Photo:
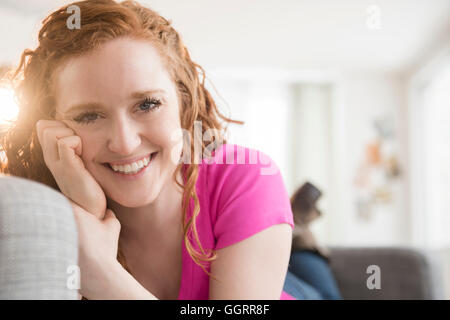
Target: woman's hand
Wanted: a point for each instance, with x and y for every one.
(62, 150)
(97, 258)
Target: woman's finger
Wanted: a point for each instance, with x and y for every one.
(49, 145)
(68, 147)
(43, 124)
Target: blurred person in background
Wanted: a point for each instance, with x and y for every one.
(309, 272)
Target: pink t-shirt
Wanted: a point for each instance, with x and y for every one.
(237, 200)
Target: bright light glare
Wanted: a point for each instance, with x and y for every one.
(8, 107)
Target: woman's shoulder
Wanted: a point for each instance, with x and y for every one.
(246, 194)
(235, 157)
(235, 168)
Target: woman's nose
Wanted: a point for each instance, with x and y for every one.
(123, 137)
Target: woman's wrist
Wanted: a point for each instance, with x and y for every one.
(125, 287)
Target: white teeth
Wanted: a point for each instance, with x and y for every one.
(133, 167)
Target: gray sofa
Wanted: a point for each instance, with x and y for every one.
(38, 246)
(38, 241)
(405, 273)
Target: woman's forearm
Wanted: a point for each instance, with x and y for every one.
(125, 287)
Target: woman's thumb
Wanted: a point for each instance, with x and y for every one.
(109, 214)
(110, 217)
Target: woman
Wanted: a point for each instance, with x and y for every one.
(114, 116)
(309, 274)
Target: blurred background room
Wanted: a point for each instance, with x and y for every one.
(350, 95)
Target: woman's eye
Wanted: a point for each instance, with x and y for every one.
(86, 117)
(150, 104)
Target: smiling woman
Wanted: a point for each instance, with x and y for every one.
(101, 111)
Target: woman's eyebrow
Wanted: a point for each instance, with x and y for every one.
(97, 105)
(144, 93)
(84, 106)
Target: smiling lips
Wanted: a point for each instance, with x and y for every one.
(133, 167)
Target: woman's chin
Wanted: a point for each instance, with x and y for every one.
(130, 201)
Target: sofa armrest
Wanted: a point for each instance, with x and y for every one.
(38, 241)
(406, 273)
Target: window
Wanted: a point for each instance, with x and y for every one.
(436, 158)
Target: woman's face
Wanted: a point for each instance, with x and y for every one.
(122, 103)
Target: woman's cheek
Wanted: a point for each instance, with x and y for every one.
(163, 137)
(88, 151)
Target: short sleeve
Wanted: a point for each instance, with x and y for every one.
(252, 197)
